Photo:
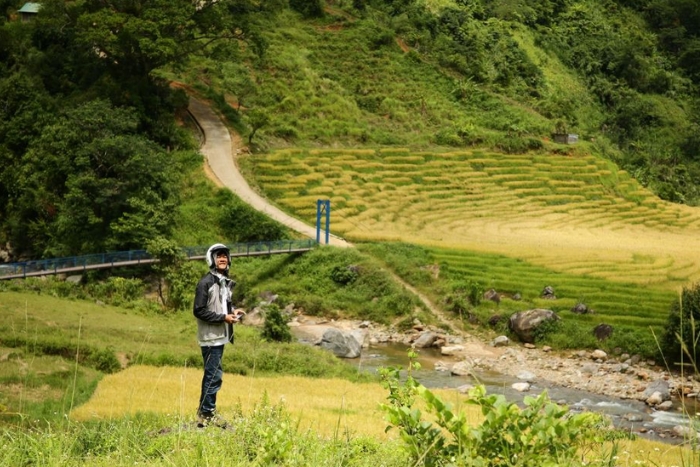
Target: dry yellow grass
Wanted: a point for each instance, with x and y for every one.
(323, 405)
(326, 406)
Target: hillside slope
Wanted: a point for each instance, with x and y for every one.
(573, 214)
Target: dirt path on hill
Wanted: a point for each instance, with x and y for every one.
(221, 148)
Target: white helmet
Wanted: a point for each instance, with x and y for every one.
(211, 255)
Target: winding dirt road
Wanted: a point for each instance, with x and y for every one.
(221, 148)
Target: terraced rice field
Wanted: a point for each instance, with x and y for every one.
(579, 215)
(614, 302)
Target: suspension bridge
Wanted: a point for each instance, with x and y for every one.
(76, 264)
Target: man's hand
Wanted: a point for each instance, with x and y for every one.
(240, 314)
(230, 319)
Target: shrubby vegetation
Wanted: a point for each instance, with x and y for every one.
(313, 283)
(542, 433)
(679, 344)
(275, 328)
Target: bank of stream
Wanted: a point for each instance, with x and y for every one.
(626, 414)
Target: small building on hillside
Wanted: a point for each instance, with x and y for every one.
(565, 138)
(29, 11)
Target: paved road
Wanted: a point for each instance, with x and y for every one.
(220, 151)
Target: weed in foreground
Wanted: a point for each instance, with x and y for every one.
(540, 434)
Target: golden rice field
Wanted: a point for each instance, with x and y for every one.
(325, 406)
(567, 213)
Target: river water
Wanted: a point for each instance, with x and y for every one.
(629, 415)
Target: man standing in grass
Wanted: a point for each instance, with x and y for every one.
(213, 310)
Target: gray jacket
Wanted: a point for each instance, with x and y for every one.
(211, 312)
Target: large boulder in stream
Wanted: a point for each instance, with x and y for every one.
(344, 344)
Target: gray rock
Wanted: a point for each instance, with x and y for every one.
(256, 317)
(602, 331)
(521, 387)
(463, 368)
(465, 388)
(441, 366)
(451, 349)
(666, 405)
(548, 293)
(500, 341)
(524, 323)
(342, 344)
(685, 432)
(492, 295)
(426, 339)
(268, 297)
(75, 279)
(654, 399)
(662, 387)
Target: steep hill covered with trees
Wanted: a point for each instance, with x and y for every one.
(91, 157)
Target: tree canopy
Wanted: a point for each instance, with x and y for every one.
(87, 128)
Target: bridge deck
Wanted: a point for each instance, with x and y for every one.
(141, 257)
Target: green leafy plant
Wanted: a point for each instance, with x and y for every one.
(540, 434)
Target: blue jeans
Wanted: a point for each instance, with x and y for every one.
(211, 381)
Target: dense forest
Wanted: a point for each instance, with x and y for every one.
(92, 152)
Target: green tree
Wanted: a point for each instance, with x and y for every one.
(90, 183)
(176, 275)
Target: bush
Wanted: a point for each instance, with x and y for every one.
(118, 291)
(546, 328)
(275, 328)
(308, 8)
(344, 275)
(241, 223)
(681, 334)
